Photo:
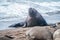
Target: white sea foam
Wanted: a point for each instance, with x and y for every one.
(21, 9)
(52, 6)
(14, 9)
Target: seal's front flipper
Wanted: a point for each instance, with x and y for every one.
(17, 25)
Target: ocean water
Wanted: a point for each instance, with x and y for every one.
(15, 11)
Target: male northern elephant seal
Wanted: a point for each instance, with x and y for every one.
(34, 19)
(39, 33)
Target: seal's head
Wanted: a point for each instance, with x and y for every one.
(32, 12)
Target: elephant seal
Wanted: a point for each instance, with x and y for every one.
(34, 19)
(38, 33)
(56, 34)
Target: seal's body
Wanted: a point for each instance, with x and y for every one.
(56, 34)
(38, 33)
(35, 18)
